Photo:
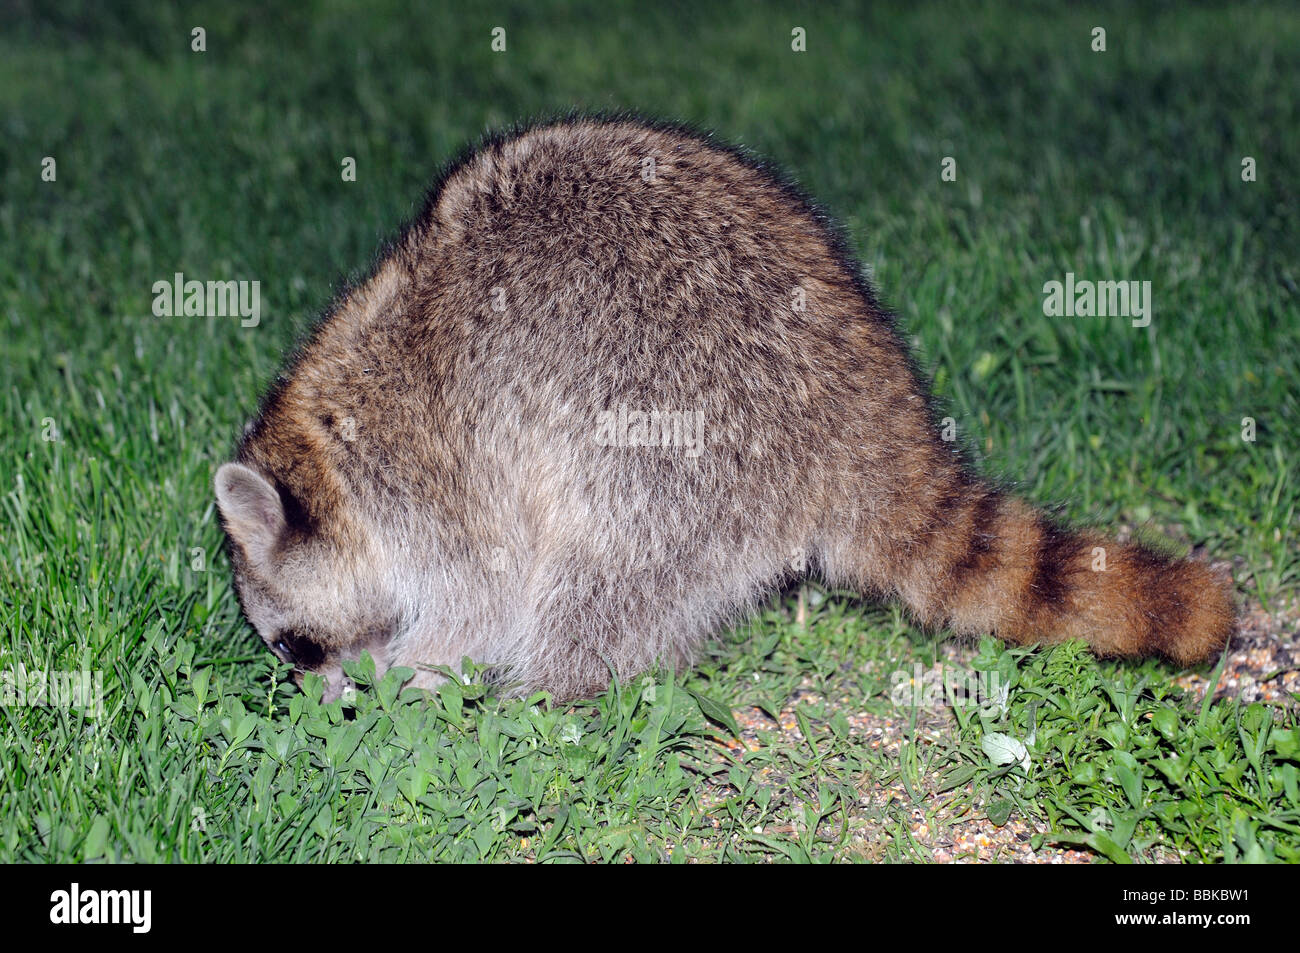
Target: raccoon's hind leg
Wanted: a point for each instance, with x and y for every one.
(962, 554)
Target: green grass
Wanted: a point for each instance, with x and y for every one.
(225, 165)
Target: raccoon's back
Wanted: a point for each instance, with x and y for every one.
(591, 268)
(590, 264)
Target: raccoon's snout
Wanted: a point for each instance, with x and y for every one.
(306, 654)
(337, 685)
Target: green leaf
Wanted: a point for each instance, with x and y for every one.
(1003, 749)
(1131, 782)
(984, 365)
(1085, 774)
(1107, 848)
(1286, 744)
(449, 694)
(97, 839)
(957, 777)
(999, 812)
(716, 712)
(1165, 721)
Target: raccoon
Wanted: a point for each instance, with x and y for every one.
(614, 384)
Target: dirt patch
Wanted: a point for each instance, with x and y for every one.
(1263, 664)
(1263, 660)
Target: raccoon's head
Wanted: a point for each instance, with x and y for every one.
(313, 594)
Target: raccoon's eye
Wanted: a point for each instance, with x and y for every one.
(300, 649)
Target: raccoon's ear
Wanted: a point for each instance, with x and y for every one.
(251, 510)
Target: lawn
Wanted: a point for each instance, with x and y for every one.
(796, 738)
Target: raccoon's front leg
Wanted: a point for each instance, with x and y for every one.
(436, 645)
(548, 656)
(586, 626)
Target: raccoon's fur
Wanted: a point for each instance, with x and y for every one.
(613, 385)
